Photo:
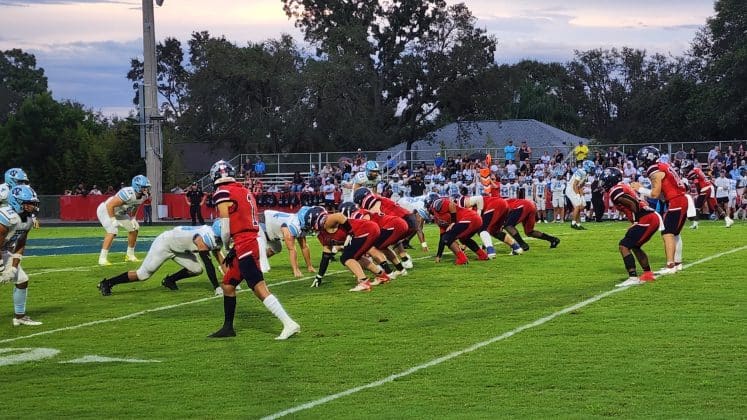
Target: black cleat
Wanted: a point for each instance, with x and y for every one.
(524, 246)
(105, 288)
(223, 333)
(554, 242)
(169, 284)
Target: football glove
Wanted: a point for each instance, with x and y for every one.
(228, 260)
(8, 275)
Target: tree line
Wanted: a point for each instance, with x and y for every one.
(376, 74)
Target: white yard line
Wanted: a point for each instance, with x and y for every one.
(437, 361)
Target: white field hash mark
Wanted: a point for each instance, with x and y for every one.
(471, 348)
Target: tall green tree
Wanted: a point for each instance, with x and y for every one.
(171, 76)
(19, 79)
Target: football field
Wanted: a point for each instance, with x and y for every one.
(544, 334)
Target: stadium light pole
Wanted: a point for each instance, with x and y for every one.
(150, 117)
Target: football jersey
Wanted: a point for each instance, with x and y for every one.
(539, 188)
(504, 190)
(276, 220)
(16, 227)
(633, 208)
(242, 213)
(671, 185)
(557, 186)
(387, 206)
(414, 205)
(579, 178)
(698, 178)
(181, 238)
(130, 200)
(360, 179)
(513, 190)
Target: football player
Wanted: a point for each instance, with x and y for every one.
(557, 188)
(455, 224)
(706, 192)
(524, 212)
(119, 210)
(239, 224)
(15, 223)
(575, 192)
(14, 177)
(179, 244)
(284, 228)
(666, 185)
(493, 211)
(645, 222)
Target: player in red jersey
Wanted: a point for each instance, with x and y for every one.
(493, 211)
(706, 192)
(455, 223)
(357, 236)
(666, 185)
(392, 230)
(239, 223)
(367, 200)
(525, 212)
(645, 222)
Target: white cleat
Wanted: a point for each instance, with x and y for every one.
(401, 273)
(363, 286)
(631, 281)
(679, 266)
(407, 264)
(131, 258)
(666, 270)
(218, 291)
(25, 320)
(694, 225)
(289, 330)
(104, 262)
(729, 221)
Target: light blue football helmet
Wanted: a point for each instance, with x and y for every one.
(372, 170)
(20, 195)
(139, 182)
(15, 176)
(589, 166)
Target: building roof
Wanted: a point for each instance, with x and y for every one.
(490, 135)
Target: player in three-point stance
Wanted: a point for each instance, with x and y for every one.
(239, 223)
(179, 244)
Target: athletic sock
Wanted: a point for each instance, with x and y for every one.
(387, 268)
(130, 252)
(104, 254)
(122, 278)
(629, 261)
(229, 310)
(399, 266)
(19, 300)
(274, 306)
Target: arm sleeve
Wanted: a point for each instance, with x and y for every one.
(225, 231)
(209, 268)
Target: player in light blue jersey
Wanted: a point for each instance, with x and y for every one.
(15, 222)
(557, 187)
(575, 192)
(285, 228)
(183, 244)
(119, 210)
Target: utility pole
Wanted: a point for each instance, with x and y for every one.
(149, 116)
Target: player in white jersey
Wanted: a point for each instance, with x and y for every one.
(513, 188)
(575, 192)
(15, 223)
(397, 187)
(369, 178)
(179, 244)
(284, 228)
(504, 188)
(119, 210)
(14, 177)
(538, 196)
(557, 187)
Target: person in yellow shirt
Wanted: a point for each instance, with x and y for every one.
(581, 151)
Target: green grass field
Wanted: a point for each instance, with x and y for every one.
(494, 339)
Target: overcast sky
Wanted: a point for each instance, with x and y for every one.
(85, 46)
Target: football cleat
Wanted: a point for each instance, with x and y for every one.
(461, 259)
(381, 279)
(402, 272)
(647, 276)
(104, 262)
(631, 281)
(218, 291)
(105, 288)
(482, 255)
(362, 286)
(131, 258)
(25, 320)
(223, 333)
(694, 225)
(517, 251)
(491, 252)
(667, 270)
(169, 284)
(317, 281)
(554, 242)
(408, 263)
(678, 266)
(289, 330)
(729, 221)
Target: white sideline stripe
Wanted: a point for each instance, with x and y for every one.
(471, 348)
(159, 309)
